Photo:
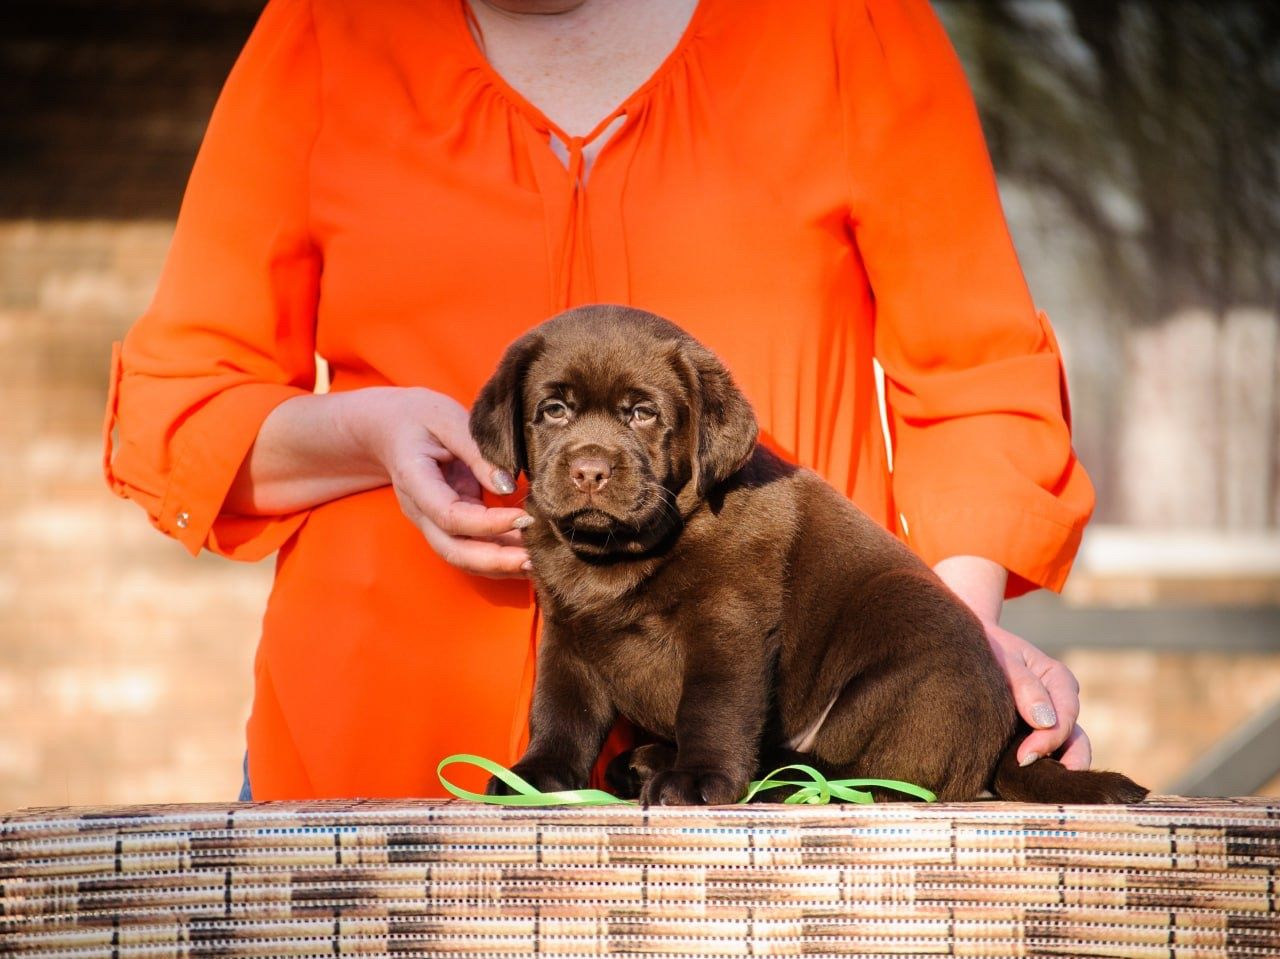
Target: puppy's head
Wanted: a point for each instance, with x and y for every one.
(612, 412)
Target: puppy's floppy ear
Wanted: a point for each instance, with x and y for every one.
(497, 418)
(722, 425)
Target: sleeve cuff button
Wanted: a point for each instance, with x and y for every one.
(182, 520)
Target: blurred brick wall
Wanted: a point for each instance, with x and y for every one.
(103, 102)
(126, 666)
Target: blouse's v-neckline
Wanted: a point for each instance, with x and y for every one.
(535, 114)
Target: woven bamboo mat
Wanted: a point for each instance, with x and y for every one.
(1167, 878)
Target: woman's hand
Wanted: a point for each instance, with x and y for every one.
(1048, 697)
(312, 449)
(1045, 691)
(423, 441)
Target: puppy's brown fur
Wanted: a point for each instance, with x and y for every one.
(723, 600)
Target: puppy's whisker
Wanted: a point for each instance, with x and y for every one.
(665, 496)
(664, 500)
(665, 511)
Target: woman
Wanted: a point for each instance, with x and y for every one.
(405, 186)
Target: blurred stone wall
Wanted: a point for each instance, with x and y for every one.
(1142, 138)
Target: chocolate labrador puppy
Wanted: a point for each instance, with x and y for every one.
(736, 607)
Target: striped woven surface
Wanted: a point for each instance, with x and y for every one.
(1169, 877)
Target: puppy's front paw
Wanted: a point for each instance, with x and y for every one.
(685, 787)
(543, 776)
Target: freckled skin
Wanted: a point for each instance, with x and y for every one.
(722, 599)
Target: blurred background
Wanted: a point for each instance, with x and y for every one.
(1138, 148)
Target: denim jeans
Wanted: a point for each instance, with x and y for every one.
(246, 794)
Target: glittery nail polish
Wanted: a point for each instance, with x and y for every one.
(1042, 715)
(503, 482)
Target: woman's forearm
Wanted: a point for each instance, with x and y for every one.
(309, 450)
(312, 449)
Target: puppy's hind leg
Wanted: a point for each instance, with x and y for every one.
(925, 702)
(629, 771)
(929, 731)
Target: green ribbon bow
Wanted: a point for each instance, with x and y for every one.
(816, 791)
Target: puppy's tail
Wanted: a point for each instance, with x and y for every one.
(1048, 781)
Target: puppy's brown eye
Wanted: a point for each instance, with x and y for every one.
(554, 411)
(643, 415)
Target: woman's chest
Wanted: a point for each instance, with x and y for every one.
(437, 187)
(442, 248)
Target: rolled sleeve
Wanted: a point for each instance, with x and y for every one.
(230, 333)
(976, 396)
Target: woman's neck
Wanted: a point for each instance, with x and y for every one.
(577, 60)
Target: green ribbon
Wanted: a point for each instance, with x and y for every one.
(526, 795)
(820, 790)
(817, 790)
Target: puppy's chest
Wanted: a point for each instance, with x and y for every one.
(640, 661)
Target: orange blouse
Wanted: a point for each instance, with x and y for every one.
(802, 186)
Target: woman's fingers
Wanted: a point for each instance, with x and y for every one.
(499, 557)
(423, 442)
(453, 430)
(1044, 691)
(424, 485)
(1060, 685)
(514, 538)
(1078, 753)
(1064, 691)
(462, 530)
(1034, 705)
(458, 475)
(480, 556)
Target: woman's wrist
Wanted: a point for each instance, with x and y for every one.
(365, 420)
(312, 449)
(978, 581)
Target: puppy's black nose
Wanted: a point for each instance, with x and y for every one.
(590, 473)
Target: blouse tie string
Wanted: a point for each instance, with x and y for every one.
(575, 247)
